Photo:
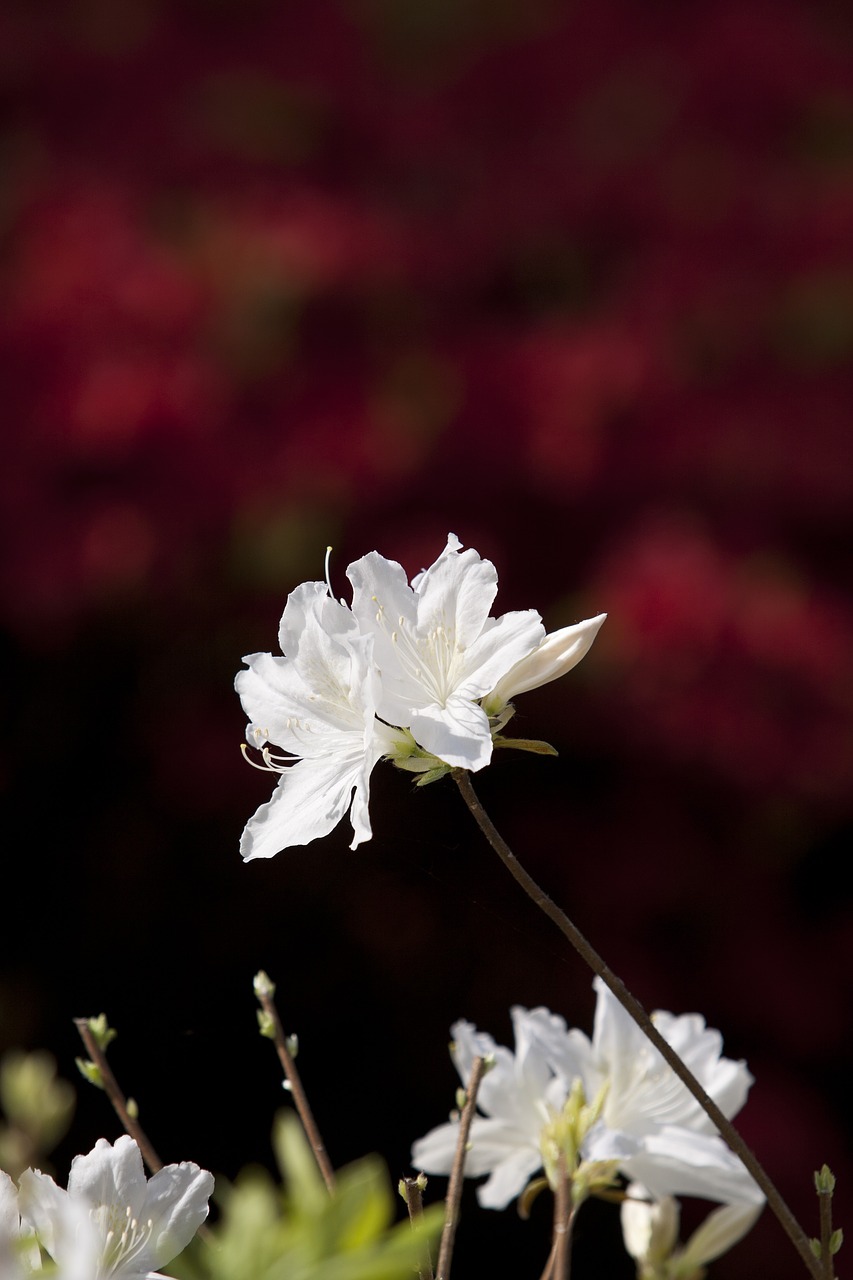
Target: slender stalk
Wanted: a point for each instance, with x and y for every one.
(563, 1218)
(411, 1190)
(825, 1203)
(300, 1098)
(633, 1007)
(457, 1172)
(116, 1097)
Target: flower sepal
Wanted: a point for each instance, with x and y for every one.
(534, 745)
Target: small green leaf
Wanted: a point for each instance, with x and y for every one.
(836, 1240)
(90, 1071)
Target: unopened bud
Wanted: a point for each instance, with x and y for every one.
(263, 984)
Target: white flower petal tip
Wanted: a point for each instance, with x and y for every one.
(113, 1222)
(557, 654)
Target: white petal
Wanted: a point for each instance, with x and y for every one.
(42, 1205)
(509, 1179)
(503, 642)
(311, 798)
(457, 733)
(720, 1230)
(435, 1151)
(681, 1162)
(495, 1149)
(177, 1206)
(110, 1175)
(456, 593)
(558, 653)
(649, 1228)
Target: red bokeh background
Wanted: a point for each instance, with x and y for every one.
(573, 280)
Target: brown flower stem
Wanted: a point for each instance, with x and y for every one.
(633, 1007)
(116, 1097)
(300, 1098)
(457, 1172)
(563, 1220)
(413, 1196)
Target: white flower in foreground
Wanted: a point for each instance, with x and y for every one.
(316, 704)
(437, 650)
(641, 1120)
(557, 654)
(650, 1233)
(126, 1224)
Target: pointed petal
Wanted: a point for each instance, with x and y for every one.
(311, 798)
(42, 1205)
(456, 593)
(177, 1206)
(720, 1230)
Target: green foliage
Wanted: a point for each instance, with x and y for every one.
(303, 1232)
(37, 1108)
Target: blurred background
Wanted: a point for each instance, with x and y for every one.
(573, 280)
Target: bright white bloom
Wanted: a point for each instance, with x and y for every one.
(517, 1097)
(648, 1127)
(437, 650)
(650, 1121)
(557, 654)
(127, 1226)
(317, 704)
(650, 1233)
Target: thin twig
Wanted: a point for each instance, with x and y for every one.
(825, 1202)
(633, 1007)
(300, 1099)
(457, 1172)
(116, 1097)
(411, 1189)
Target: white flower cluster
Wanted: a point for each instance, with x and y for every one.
(617, 1104)
(419, 673)
(111, 1222)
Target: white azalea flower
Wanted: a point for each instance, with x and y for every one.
(437, 650)
(557, 654)
(650, 1234)
(642, 1120)
(112, 1222)
(517, 1098)
(316, 704)
(650, 1121)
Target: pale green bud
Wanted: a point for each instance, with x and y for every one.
(90, 1071)
(263, 984)
(266, 1024)
(103, 1033)
(824, 1181)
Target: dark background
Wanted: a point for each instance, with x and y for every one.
(571, 280)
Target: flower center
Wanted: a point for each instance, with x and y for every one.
(429, 658)
(124, 1237)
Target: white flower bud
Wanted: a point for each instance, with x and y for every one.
(557, 654)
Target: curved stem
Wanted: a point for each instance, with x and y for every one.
(633, 1007)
